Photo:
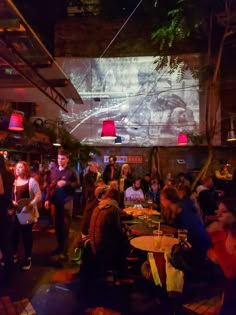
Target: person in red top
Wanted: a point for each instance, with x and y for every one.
(223, 251)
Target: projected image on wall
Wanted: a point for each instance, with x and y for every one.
(149, 107)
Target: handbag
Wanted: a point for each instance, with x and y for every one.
(23, 215)
(185, 258)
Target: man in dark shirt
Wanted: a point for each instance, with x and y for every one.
(112, 170)
(63, 195)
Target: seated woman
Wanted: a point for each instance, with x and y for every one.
(178, 214)
(223, 252)
(184, 193)
(125, 181)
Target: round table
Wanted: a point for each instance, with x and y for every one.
(146, 243)
(141, 228)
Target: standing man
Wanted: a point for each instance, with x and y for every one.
(63, 195)
(112, 170)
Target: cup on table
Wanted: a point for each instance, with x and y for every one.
(145, 218)
(150, 204)
(157, 238)
(149, 223)
(182, 234)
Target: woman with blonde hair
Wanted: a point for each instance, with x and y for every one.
(125, 181)
(125, 177)
(25, 188)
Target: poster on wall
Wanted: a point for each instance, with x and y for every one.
(149, 107)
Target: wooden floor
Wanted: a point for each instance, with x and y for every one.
(205, 307)
(22, 307)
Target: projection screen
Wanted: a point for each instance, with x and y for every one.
(150, 107)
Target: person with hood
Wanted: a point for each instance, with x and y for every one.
(108, 242)
(91, 204)
(83, 236)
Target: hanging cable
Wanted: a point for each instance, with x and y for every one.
(113, 39)
(121, 28)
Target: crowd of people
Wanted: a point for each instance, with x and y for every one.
(24, 191)
(208, 214)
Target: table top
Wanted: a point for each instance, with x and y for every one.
(141, 228)
(140, 211)
(146, 243)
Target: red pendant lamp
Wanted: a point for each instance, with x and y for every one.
(108, 130)
(16, 121)
(182, 139)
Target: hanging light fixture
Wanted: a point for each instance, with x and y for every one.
(182, 139)
(16, 121)
(118, 140)
(108, 130)
(57, 143)
(231, 136)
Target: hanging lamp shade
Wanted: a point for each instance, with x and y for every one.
(108, 129)
(118, 140)
(57, 143)
(16, 121)
(231, 136)
(182, 139)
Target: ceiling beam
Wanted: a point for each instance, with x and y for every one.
(13, 58)
(15, 81)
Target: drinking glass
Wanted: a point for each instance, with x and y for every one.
(149, 222)
(182, 234)
(157, 238)
(150, 203)
(145, 218)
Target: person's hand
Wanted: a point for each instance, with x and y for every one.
(15, 204)
(214, 227)
(47, 204)
(61, 183)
